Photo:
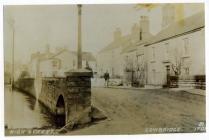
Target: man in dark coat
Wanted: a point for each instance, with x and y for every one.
(106, 77)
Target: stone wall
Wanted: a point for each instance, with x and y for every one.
(26, 85)
(75, 88)
(51, 89)
(76, 91)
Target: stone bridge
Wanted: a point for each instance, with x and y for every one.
(69, 97)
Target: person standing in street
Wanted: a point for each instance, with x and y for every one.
(106, 77)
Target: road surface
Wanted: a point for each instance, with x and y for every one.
(145, 111)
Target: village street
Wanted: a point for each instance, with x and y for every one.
(137, 111)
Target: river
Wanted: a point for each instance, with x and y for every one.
(24, 111)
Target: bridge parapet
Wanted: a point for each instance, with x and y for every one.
(70, 94)
(79, 96)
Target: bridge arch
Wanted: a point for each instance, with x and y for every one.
(60, 111)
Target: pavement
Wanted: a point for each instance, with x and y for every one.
(189, 90)
(99, 82)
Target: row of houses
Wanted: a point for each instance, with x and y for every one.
(110, 57)
(146, 59)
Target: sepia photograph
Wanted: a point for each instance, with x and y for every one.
(104, 69)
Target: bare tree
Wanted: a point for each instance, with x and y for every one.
(177, 64)
(141, 72)
(129, 70)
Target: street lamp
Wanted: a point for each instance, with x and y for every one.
(11, 22)
(79, 49)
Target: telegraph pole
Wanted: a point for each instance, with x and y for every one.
(79, 49)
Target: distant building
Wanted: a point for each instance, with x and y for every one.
(57, 64)
(48, 64)
(109, 58)
(36, 58)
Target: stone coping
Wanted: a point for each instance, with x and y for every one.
(79, 72)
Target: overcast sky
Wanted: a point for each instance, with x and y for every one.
(56, 25)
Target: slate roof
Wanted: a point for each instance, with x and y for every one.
(129, 48)
(88, 56)
(123, 41)
(133, 46)
(181, 27)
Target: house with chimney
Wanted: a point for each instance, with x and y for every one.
(120, 55)
(133, 55)
(55, 64)
(178, 49)
(109, 59)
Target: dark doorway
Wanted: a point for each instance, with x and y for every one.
(60, 112)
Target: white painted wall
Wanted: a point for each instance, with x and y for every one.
(175, 48)
(111, 61)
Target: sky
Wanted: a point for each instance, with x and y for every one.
(56, 25)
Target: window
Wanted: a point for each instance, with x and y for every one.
(166, 51)
(187, 70)
(126, 59)
(140, 62)
(186, 46)
(73, 63)
(166, 47)
(140, 59)
(54, 63)
(153, 53)
(113, 54)
(153, 76)
(140, 35)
